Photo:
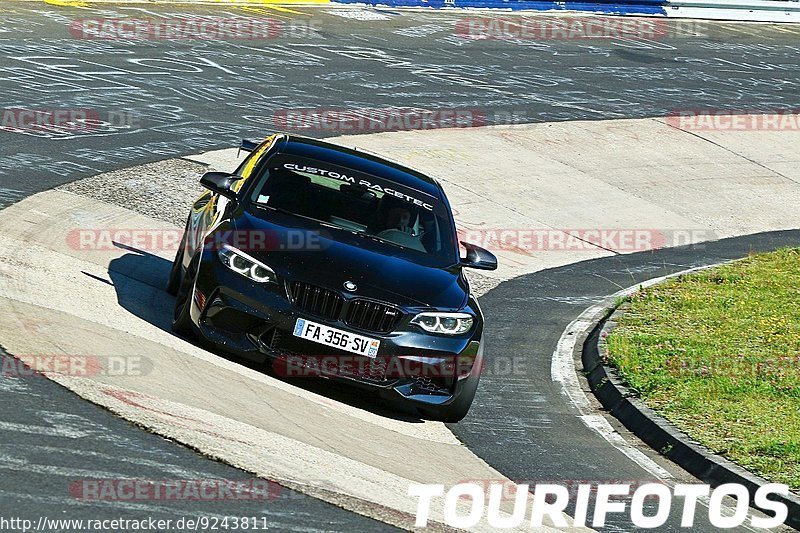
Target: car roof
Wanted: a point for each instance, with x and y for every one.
(359, 161)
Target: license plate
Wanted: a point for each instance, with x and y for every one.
(336, 338)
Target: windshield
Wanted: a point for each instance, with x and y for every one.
(368, 206)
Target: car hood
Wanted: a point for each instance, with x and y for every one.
(329, 258)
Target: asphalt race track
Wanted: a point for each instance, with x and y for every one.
(157, 99)
(51, 437)
(164, 99)
(515, 427)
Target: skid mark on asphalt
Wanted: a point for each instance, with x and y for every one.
(554, 80)
(564, 372)
(303, 440)
(69, 265)
(45, 452)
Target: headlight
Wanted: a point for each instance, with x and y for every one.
(240, 262)
(446, 323)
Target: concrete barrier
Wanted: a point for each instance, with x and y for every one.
(622, 7)
(745, 10)
(741, 10)
(737, 10)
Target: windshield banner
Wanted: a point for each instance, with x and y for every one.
(369, 182)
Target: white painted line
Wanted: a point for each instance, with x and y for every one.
(600, 424)
(562, 370)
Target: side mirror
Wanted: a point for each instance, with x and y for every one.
(219, 183)
(478, 258)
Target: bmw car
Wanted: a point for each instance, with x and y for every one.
(335, 263)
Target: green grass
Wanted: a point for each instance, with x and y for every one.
(718, 354)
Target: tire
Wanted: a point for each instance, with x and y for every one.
(181, 316)
(459, 407)
(174, 282)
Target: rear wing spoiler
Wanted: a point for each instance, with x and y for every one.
(248, 146)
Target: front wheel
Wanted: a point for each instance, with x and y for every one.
(182, 314)
(174, 283)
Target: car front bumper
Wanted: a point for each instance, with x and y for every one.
(256, 321)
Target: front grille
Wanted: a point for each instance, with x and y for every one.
(317, 300)
(372, 316)
(429, 385)
(358, 367)
(272, 339)
(375, 370)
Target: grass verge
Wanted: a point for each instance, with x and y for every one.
(718, 354)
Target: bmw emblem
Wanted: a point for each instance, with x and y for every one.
(350, 286)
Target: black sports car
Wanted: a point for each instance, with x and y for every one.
(333, 262)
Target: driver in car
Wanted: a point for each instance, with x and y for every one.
(399, 218)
